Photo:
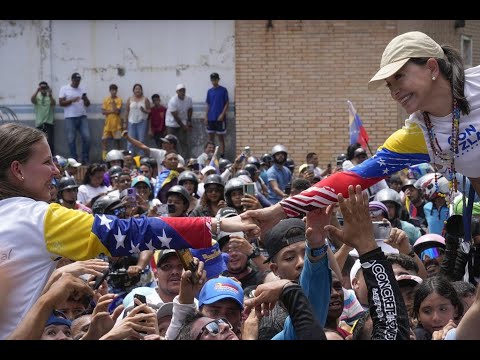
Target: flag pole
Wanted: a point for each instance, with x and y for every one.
(368, 145)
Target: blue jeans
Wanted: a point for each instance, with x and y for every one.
(80, 124)
(137, 131)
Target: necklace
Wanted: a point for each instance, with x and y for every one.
(444, 155)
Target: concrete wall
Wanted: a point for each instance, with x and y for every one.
(157, 54)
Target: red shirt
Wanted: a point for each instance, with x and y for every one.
(157, 118)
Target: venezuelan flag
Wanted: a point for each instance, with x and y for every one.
(404, 148)
(358, 134)
(112, 236)
(214, 161)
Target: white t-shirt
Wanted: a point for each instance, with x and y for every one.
(466, 161)
(159, 155)
(179, 106)
(77, 108)
(87, 192)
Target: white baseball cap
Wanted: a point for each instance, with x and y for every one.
(180, 86)
(413, 44)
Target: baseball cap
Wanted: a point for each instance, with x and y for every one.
(212, 258)
(57, 320)
(166, 309)
(218, 289)
(141, 178)
(180, 86)
(402, 48)
(171, 139)
(407, 279)
(150, 294)
(214, 76)
(76, 76)
(73, 163)
(276, 239)
(163, 254)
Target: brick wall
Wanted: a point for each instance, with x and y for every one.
(293, 81)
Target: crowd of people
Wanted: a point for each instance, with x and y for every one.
(156, 247)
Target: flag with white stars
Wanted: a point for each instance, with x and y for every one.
(406, 147)
(123, 237)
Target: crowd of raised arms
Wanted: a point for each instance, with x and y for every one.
(153, 243)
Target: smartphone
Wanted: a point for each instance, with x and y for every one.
(132, 196)
(247, 151)
(140, 297)
(310, 167)
(186, 258)
(381, 230)
(99, 279)
(249, 189)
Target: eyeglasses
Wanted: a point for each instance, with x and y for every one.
(213, 327)
(430, 254)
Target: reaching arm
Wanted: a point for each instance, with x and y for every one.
(78, 235)
(136, 143)
(404, 148)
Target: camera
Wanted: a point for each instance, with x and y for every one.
(186, 258)
(381, 230)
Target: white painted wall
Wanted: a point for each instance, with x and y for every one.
(156, 53)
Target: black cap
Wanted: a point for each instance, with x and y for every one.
(171, 139)
(76, 76)
(275, 240)
(214, 76)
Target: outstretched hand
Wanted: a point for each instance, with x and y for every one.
(266, 218)
(357, 228)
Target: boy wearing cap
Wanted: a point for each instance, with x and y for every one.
(44, 105)
(73, 98)
(297, 256)
(179, 118)
(216, 112)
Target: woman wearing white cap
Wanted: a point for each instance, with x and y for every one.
(430, 83)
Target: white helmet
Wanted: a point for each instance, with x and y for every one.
(427, 184)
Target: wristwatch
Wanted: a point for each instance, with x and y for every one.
(255, 253)
(317, 252)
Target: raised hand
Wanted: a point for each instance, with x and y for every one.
(357, 228)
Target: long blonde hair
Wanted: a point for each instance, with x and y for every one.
(16, 143)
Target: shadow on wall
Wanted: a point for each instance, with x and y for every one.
(197, 139)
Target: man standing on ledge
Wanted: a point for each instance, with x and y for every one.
(216, 112)
(75, 101)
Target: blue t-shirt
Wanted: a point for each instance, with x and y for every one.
(217, 97)
(435, 218)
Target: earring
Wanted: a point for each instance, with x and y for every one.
(23, 178)
(433, 78)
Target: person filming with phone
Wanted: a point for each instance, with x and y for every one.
(44, 106)
(73, 98)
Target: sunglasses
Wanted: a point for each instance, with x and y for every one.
(430, 254)
(213, 327)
